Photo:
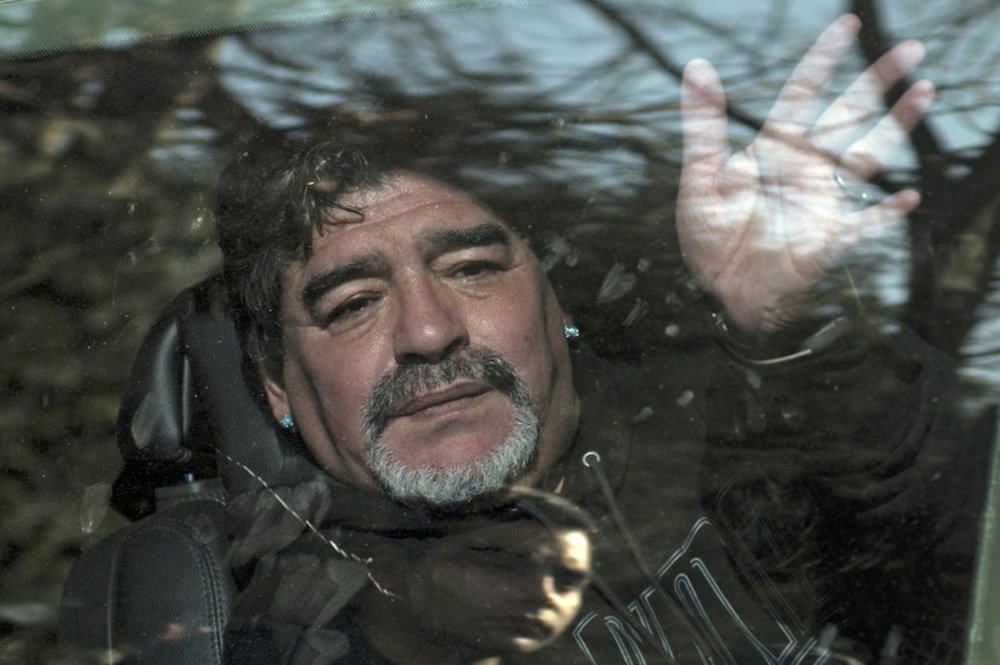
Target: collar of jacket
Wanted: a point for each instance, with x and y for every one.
(606, 427)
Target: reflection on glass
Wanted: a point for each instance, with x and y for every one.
(753, 496)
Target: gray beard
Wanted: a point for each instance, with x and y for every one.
(441, 486)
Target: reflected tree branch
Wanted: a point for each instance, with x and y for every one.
(644, 44)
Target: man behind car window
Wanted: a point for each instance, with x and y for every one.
(409, 337)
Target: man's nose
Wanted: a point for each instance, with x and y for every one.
(430, 322)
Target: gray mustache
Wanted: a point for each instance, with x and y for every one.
(405, 381)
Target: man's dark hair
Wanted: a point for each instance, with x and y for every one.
(276, 194)
(271, 200)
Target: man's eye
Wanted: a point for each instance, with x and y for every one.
(350, 308)
(474, 269)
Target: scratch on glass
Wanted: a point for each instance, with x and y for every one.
(308, 524)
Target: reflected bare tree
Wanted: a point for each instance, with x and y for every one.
(109, 159)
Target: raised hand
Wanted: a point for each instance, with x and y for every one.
(761, 226)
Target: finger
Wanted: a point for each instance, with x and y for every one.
(869, 154)
(863, 101)
(703, 121)
(797, 100)
(872, 222)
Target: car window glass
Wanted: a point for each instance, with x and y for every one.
(564, 119)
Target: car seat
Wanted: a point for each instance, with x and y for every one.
(191, 432)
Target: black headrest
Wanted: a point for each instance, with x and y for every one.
(189, 412)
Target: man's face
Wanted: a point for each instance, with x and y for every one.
(424, 339)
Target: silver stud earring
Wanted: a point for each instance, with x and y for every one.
(571, 331)
(287, 421)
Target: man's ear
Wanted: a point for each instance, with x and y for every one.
(274, 388)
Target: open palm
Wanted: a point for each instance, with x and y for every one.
(761, 226)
